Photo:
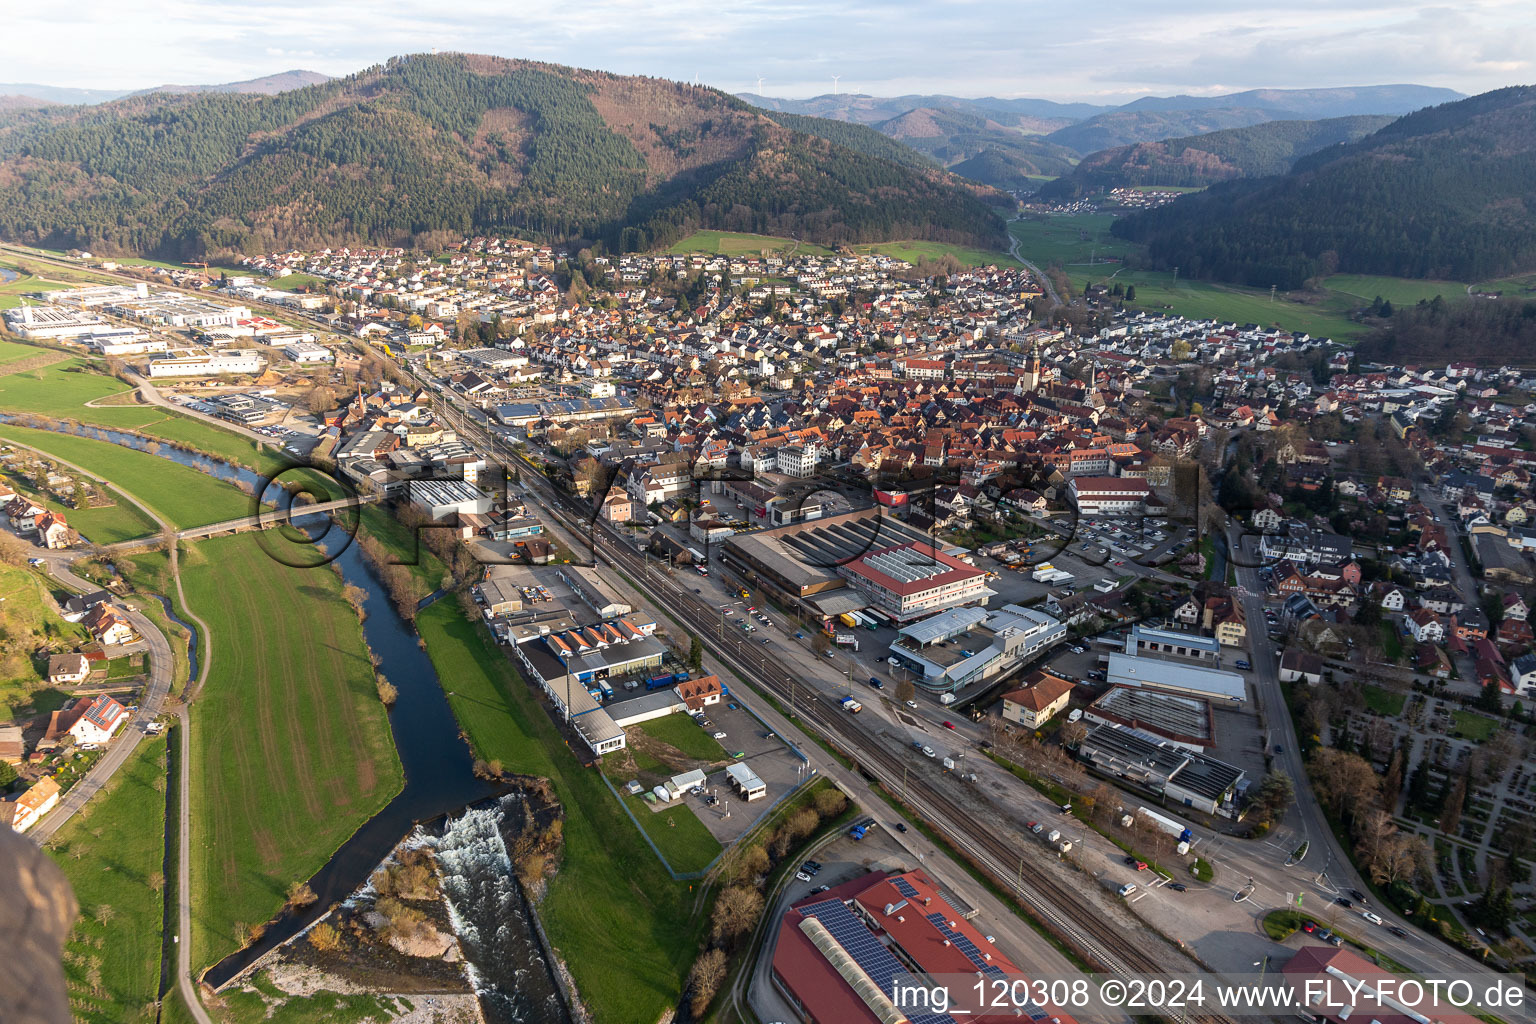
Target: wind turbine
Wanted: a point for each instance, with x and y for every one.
(834, 84)
(759, 85)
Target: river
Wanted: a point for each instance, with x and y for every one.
(514, 982)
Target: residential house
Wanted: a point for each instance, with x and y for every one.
(1040, 699)
(68, 668)
(27, 809)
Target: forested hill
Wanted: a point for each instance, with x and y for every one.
(1446, 192)
(449, 144)
(1255, 151)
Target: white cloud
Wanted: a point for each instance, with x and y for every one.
(1103, 50)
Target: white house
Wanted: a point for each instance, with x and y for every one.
(96, 719)
(1426, 626)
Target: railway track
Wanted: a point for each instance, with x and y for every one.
(1104, 945)
(1100, 942)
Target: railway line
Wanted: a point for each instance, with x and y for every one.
(1101, 943)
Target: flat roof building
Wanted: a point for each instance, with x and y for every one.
(442, 498)
(746, 781)
(910, 581)
(1175, 677)
(1109, 495)
(1184, 776)
(1185, 721)
(1172, 643)
(949, 651)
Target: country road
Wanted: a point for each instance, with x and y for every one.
(1045, 282)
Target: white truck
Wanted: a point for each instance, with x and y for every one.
(852, 706)
(947, 698)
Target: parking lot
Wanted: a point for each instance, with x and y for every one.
(748, 741)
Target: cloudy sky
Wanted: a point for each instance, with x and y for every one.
(1098, 50)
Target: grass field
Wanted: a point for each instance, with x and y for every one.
(612, 903)
(293, 282)
(1080, 243)
(912, 252)
(678, 834)
(150, 572)
(291, 748)
(105, 525)
(61, 392)
(179, 494)
(1474, 726)
(113, 852)
(29, 620)
(733, 243)
(1384, 702)
(11, 352)
(681, 732)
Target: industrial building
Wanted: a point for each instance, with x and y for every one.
(1184, 721)
(594, 591)
(1177, 773)
(953, 649)
(838, 953)
(207, 364)
(1172, 643)
(51, 322)
(1175, 677)
(442, 498)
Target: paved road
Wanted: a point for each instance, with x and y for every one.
(1045, 282)
(1326, 870)
(150, 705)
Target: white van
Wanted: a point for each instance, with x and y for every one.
(1126, 889)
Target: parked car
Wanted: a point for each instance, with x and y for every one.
(1309, 927)
(801, 876)
(1177, 886)
(719, 735)
(901, 826)
(1036, 827)
(876, 683)
(927, 751)
(1126, 889)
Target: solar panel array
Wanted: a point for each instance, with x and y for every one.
(904, 887)
(906, 565)
(982, 964)
(873, 958)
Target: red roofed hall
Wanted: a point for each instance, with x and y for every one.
(839, 951)
(909, 581)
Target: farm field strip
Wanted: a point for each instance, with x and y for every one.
(292, 748)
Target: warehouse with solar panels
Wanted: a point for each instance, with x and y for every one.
(840, 952)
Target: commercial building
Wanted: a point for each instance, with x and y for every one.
(99, 295)
(1041, 698)
(953, 649)
(307, 352)
(1109, 495)
(839, 952)
(208, 364)
(1171, 643)
(911, 581)
(1184, 776)
(746, 782)
(1175, 677)
(802, 559)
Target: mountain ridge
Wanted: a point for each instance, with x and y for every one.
(454, 143)
(279, 82)
(1444, 192)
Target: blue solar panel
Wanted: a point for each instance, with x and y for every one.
(905, 888)
(867, 951)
